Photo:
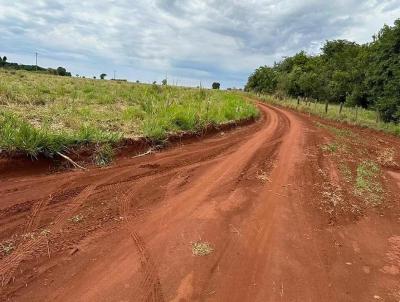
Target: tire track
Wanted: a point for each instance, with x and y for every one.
(39, 207)
(150, 286)
(9, 264)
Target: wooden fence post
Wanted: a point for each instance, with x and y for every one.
(326, 106)
(356, 113)
(378, 116)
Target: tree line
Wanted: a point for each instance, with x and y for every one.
(61, 71)
(366, 75)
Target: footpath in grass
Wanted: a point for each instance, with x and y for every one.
(355, 116)
(43, 114)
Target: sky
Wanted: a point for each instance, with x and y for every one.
(189, 42)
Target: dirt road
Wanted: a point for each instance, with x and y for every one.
(281, 219)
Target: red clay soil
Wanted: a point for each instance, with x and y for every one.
(283, 223)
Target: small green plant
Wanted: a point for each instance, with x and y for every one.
(368, 184)
(331, 147)
(103, 155)
(201, 248)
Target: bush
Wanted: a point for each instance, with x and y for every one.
(389, 109)
(216, 85)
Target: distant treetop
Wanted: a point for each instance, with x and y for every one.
(216, 85)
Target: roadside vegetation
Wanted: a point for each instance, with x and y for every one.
(355, 76)
(351, 115)
(44, 114)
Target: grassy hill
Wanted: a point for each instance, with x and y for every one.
(45, 114)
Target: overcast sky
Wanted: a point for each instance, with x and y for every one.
(192, 41)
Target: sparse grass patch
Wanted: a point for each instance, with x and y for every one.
(341, 133)
(7, 247)
(332, 196)
(263, 176)
(201, 248)
(386, 157)
(77, 218)
(368, 184)
(103, 155)
(346, 172)
(330, 147)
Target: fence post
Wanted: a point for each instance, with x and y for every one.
(326, 106)
(341, 107)
(378, 116)
(356, 113)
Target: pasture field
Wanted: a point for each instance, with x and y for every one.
(44, 114)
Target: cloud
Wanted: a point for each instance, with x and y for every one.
(196, 40)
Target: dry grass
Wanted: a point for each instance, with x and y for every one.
(387, 157)
(201, 248)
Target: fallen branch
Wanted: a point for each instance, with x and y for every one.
(71, 161)
(143, 154)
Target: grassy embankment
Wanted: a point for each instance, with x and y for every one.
(43, 114)
(355, 116)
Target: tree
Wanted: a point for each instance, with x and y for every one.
(216, 85)
(383, 76)
(61, 71)
(103, 76)
(262, 80)
(3, 61)
(164, 82)
(365, 75)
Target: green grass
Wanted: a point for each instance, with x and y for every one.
(103, 155)
(340, 133)
(44, 114)
(367, 183)
(363, 117)
(330, 147)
